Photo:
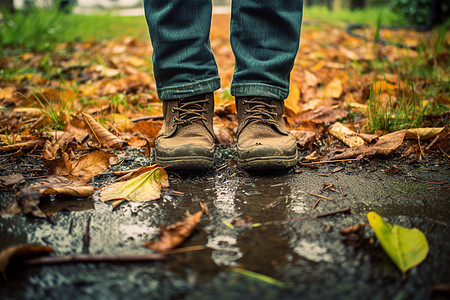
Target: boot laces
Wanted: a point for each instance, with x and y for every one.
(261, 110)
(190, 110)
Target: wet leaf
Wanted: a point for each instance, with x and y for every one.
(145, 187)
(172, 236)
(406, 247)
(101, 135)
(21, 251)
(28, 199)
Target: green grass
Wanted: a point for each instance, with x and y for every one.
(42, 29)
(365, 16)
(404, 112)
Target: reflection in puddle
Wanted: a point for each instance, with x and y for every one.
(135, 231)
(313, 251)
(225, 250)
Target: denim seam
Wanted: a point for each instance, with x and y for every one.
(189, 85)
(259, 84)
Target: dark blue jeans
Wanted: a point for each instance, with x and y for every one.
(265, 36)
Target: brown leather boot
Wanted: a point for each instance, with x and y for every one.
(186, 139)
(263, 141)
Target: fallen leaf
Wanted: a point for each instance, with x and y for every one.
(292, 101)
(28, 199)
(423, 133)
(333, 89)
(12, 179)
(304, 138)
(149, 129)
(385, 146)
(406, 247)
(101, 135)
(347, 136)
(368, 138)
(89, 165)
(21, 251)
(172, 236)
(143, 188)
(222, 136)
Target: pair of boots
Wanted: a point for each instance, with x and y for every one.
(186, 140)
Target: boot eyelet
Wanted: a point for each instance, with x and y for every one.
(173, 109)
(206, 122)
(243, 102)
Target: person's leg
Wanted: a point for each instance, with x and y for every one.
(265, 37)
(183, 64)
(186, 75)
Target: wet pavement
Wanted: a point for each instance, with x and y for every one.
(309, 256)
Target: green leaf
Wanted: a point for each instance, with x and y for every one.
(143, 188)
(406, 247)
(258, 276)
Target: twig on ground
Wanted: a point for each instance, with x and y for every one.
(320, 196)
(87, 258)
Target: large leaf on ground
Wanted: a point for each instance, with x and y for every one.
(89, 165)
(21, 251)
(143, 188)
(406, 247)
(175, 234)
(385, 146)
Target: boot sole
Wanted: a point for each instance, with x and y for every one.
(267, 163)
(186, 162)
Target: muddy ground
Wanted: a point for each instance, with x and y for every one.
(310, 257)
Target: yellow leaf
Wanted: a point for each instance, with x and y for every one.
(143, 188)
(423, 133)
(292, 101)
(406, 247)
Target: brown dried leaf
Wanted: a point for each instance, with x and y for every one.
(59, 166)
(222, 136)
(27, 201)
(149, 129)
(11, 179)
(89, 165)
(21, 251)
(304, 138)
(101, 135)
(172, 236)
(23, 146)
(50, 149)
(385, 146)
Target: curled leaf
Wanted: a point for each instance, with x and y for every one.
(100, 134)
(406, 247)
(347, 136)
(175, 234)
(143, 188)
